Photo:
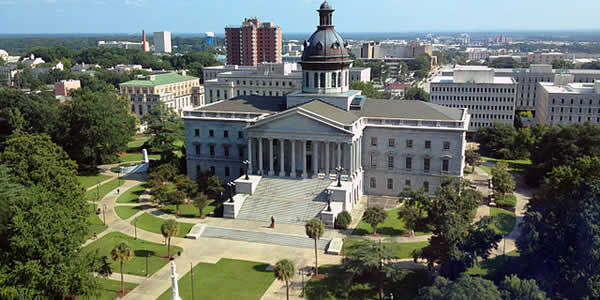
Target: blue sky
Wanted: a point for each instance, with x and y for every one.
(294, 16)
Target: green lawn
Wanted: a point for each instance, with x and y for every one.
(518, 166)
(337, 286)
(133, 194)
(109, 288)
(137, 264)
(503, 220)
(151, 223)
(103, 189)
(137, 143)
(125, 212)
(227, 279)
(127, 157)
(492, 267)
(96, 224)
(392, 226)
(89, 181)
(401, 250)
(189, 210)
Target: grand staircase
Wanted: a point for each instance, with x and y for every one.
(289, 201)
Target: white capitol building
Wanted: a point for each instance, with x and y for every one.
(294, 143)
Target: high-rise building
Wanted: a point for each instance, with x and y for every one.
(162, 42)
(253, 43)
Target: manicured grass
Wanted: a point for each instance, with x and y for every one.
(133, 194)
(401, 250)
(498, 264)
(137, 143)
(519, 165)
(189, 210)
(392, 226)
(503, 220)
(103, 190)
(137, 264)
(336, 285)
(109, 288)
(151, 223)
(89, 181)
(125, 212)
(96, 224)
(227, 279)
(487, 169)
(127, 157)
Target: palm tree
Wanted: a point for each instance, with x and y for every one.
(284, 271)
(168, 230)
(121, 252)
(314, 230)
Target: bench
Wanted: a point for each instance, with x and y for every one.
(321, 176)
(335, 246)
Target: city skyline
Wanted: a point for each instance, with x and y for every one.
(184, 16)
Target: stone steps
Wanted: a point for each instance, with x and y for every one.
(264, 237)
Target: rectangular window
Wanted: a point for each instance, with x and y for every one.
(390, 184)
(196, 132)
(390, 162)
(445, 164)
(409, 163)
(197, 149)
(373, 182)
(426, 164)
(373, 141)
(446, 145)
(426, 187)
(226, 151)
(409, 143)
(212, 150)
(392, 142)
(226, 171)
(225, 133)
(373, 160)
(211, 133)
(240, 134)
(427, 144)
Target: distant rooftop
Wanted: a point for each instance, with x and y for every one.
(247, 104)
(571, 88)
(450, 79)
(159, 79)
(408, 109)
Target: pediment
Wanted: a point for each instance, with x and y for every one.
(300, 121)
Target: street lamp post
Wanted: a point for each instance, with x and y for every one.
(135, 228)
(302, 274)
(329, 193)
(231, 186)
(246, 165)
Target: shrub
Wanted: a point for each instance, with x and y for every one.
(343, 220)
(506, 201)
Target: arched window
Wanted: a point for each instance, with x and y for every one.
(322, 80)
(316, 80)
(333, 79)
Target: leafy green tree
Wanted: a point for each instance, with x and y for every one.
(514, 288)
(121, 252)
(165, 128)
(39, 112)
(159, 191)
(201, 202)
(373, 216)
(368, 90)
(503, 181)
(2, 62)
(343, 219)
(27, 79)
(415, 93)
(97, 126)
(176, 197)
(559, 239)
(209, 184)
(370, 260)
(500, 141)
(506, 63)
(41, 232)
(562, 64)
(184, 184)
(314, 230)
(163, 173)
(472, 158)
(411, 215)
(285, 271)
(169, 229)
(465, 287)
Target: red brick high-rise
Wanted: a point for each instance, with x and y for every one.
(253, 43)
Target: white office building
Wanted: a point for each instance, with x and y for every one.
(162, 42)
(489, 98)
(564, 101)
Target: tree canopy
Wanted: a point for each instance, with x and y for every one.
(368, 90)
(415, 93)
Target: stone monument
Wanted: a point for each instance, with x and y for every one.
(145, 156)
(174, 287)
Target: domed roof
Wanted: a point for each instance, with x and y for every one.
(325, 45)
